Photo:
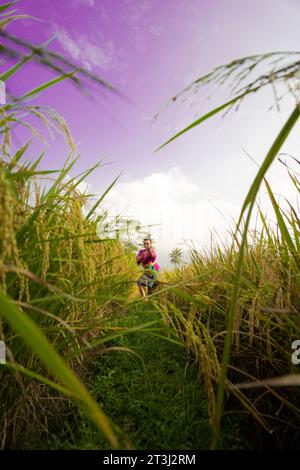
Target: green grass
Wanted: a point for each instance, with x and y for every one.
(72, 382)
(161, 405)
(156, 398)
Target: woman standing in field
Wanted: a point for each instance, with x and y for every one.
(146, 257)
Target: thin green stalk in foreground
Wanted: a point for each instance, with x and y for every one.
(33, 336)
(250, 199)
(207, 116)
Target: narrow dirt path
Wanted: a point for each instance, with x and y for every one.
(154, 395)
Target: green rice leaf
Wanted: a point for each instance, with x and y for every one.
(41, 346)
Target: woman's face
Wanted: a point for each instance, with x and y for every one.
(147, 244)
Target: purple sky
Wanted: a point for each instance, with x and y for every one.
(149, 50)
(146, 49)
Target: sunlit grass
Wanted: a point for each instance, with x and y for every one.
(235, 309)
(265, 322)
(58, 280)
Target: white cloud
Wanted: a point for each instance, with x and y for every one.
(183, 215)
(139, 9)
(82, 187)
(87, 53)
(185, 218)
(90, 3)
(173, 201)
(156, 30)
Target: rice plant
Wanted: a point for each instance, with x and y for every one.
(235, 308)
(261, 378)
(246, 309)
(58, 279)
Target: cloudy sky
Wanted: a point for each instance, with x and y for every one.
(149, 50)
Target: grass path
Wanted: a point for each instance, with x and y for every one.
(156, 397)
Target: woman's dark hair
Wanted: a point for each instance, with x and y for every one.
(147, 239)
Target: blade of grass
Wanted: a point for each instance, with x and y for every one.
(38, 343)
(40, 88)
(205, 117)
(102, 197)
(6, 5)
(250, 199)
(283, 228)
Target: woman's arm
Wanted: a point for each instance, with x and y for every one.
(152, 253)
(140, 257)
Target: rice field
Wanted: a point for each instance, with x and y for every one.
(261, 381)
(69, 302)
